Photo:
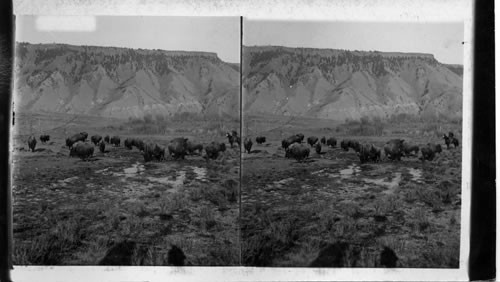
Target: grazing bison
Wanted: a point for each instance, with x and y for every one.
(408, 149)
(450, 139)
(177, 148)
(115, 141)
(355, 146)
(323, 140)
(394, 149)
(317, 147)
(429, 151)
(289, 141)
(192, 148)
(128, 143)
(44, 138)
(75, 138)
(260, 140)
(248, 144)
(300, 136)
(82, 150)
(297, 151)
(32, 143)
(148, 152)
(311, 140)
(139, 144)
(331, 142)
(85, 134)
(106, 139)
(102, 146)
(213, 149)
(344, 144)
(233, 138)
(176, 256)
(96, 139)
(368, 152)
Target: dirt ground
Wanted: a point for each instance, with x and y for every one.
(73, 212)
(292, 212)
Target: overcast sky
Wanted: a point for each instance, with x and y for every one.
(443, 40)
(212, 34)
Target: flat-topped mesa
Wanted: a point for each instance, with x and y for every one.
(336, 52)
(115, 50)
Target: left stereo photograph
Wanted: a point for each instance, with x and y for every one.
(125, 143)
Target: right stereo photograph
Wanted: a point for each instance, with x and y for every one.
(352, 144)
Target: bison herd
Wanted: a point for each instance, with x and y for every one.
(180, 147)
(393, 149)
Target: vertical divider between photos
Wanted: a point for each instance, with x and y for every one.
(241, 131)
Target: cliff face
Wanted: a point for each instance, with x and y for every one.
(120, 82)
(340, 84)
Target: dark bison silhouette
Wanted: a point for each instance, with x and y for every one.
(297, 151)
(429, 151)
(248, 145)
(96, 139)
(194, 147)
(323, 140)
(213, 149)
(115, 141)
(311, 140)
(331, 142)
(178, 148)
(102, 146)
(106, 139)
(44, 138)
(394, 149)
(260, 140)
(82, 150)
(233, 138)
(32, 143)
(75, 138)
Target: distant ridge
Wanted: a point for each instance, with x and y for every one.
(123, 82)
(343, 84)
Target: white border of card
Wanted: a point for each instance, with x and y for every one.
(383, 10)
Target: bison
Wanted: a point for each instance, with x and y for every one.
(85, 134)
(429, 151)
(193, 147)
(297, 151)
(408, 149)
(300, 136)
(355, 146)
(96, 139)
(233, 138)
(44, 138)
(317, 147)
(128, 143)
(323, 140)
(311, 140)
(213, 149)
(289, 141)
(394, 149)
(248, 144)
(368, 152)
(260, 140)
(82, 150)
(344, 144)
(331, 142)
(177, 148)
(106, 139)
(102, 146)
(75, 138)
(139, 144)
(32, 143)
(115, 141)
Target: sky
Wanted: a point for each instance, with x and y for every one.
(443, 40)
(210, 34)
